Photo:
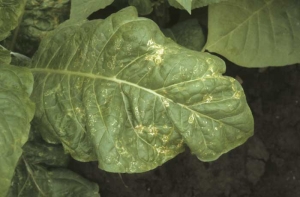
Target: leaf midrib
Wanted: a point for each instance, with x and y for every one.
(93, 76)
(116, 80)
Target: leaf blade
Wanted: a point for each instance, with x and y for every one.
(81, 9)
(108, 96)
(189, 5)
(16, 113)
(264, 33)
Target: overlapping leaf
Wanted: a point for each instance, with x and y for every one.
(10, 12)
(256, 33)
(38, 19)
(16, 112)
(40, 173)
(144, 7)
(118, 91)
(188, 5)
(188, 34)
(81, 9)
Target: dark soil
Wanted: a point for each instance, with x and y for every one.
(267, 165)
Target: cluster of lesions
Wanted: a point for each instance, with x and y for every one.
(159, 51)
(237, 92)
(157, 139)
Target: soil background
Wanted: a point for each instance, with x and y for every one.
(267, 165)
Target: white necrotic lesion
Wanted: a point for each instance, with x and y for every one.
(159, 51)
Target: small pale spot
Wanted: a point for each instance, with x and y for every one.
(153, 130)
(165, 138)
(165, 103)
(210, 61)
(237, 95)
(207, 98)
(139, 128)
(191, 119)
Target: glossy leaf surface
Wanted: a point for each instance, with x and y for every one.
(118, 91)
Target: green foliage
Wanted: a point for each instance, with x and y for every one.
(81, 9)
(188, 34)
(144, 7)
(38, 19)
(256, 33)
(188, 5)
(10, 12)
(117, 91)
(4, 56)
(16, 113)
(15, 106)
(41, 172)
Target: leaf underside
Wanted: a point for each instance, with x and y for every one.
(256, 33)
(118, 91)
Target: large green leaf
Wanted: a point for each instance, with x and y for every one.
(256, 33)
(118, 91)
(81, 9)
(10, 12)
(188, 5)
(188, 34)
(16, 112)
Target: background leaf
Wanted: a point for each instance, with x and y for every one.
(188, 34)
(81, 9)
(39, 18)
(144, 7)
(16, 112)
(118, 91)
(18, 59)
(40, 172)
(10, 12)
(189, 5)
(256, 33)
(40, 152)
(182, 4)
